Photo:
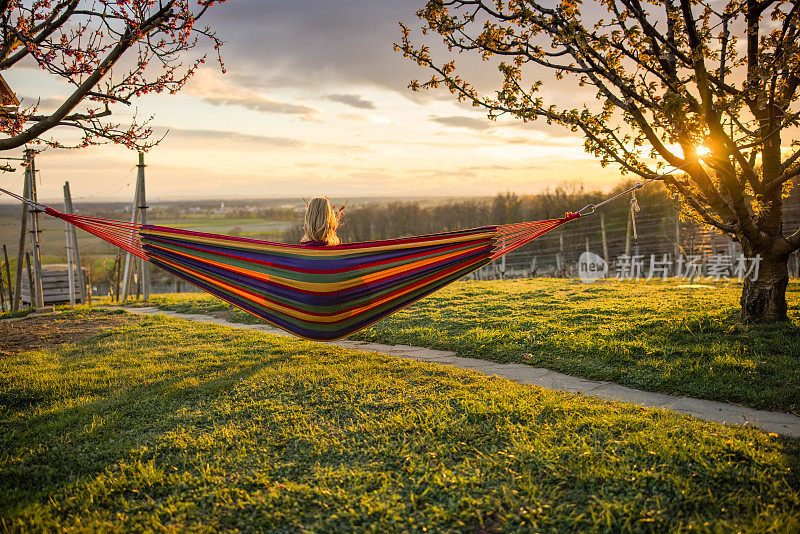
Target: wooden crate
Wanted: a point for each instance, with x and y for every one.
(55, 284)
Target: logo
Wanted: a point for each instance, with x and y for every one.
(591, 267)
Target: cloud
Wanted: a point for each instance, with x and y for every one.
(318, 44)
(227, 136)
(464, 122)
(262, 104)
(315, 43)
(462, 172)
(45, 105)
(355, 101)
(243, 141)
(210, 87)
(504, 168)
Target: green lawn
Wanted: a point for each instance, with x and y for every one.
(169, 425)
(656, 336)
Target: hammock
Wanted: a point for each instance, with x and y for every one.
(318, 293)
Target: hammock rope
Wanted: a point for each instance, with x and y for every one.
(318, 293)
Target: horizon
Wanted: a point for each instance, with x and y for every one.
(9, 201)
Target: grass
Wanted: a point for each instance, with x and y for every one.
(202, 303)
(656, 336)
(176, 426)
(22, 312)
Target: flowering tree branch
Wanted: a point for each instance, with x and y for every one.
(109, 52)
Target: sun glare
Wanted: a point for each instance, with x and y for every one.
(702, 150)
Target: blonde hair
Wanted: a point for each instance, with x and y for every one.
(321, 222)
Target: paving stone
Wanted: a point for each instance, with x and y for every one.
(347, 344)
(372, 347)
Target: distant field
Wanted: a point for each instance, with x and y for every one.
(221, 225)
(255, 228)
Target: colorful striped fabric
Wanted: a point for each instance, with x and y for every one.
(318, 293)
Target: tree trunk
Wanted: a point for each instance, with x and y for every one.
(764, 299)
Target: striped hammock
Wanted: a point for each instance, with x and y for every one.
(318, 293)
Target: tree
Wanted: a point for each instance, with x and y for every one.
(108, 52)
(675, 91)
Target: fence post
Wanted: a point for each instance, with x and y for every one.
(127, 271)
(70, 274)
(145, 265)
(797, 263)
(36, 291)
(8, 279)
(2, 296)
(86, 296)
(30, 278)
(23, 230)
(628, 234)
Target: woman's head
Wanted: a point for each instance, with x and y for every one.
(321, 222)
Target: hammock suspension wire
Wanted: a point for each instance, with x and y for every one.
(318, 293)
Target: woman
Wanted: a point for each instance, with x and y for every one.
(320, 224)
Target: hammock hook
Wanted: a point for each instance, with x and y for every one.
(586, 207)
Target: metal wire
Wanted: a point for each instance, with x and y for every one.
(594, 207)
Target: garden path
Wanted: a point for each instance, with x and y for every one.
(719, 412)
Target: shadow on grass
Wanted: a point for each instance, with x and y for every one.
(62, 445)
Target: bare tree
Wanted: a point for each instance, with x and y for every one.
(107, 52)
(705, 88)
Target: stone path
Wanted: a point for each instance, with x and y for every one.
(719, 412)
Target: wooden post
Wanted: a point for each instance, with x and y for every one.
(2, 297)
(119, 275)
(605, 240)
(35, 231)
(23, 230)
(8, 278)
(67, 225)
(677, 236)
(128, 270)
(30, 277)
(628, 234)
(144, 265)
(587, 243)
(86, 296)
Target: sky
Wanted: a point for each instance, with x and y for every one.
(315, 102)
